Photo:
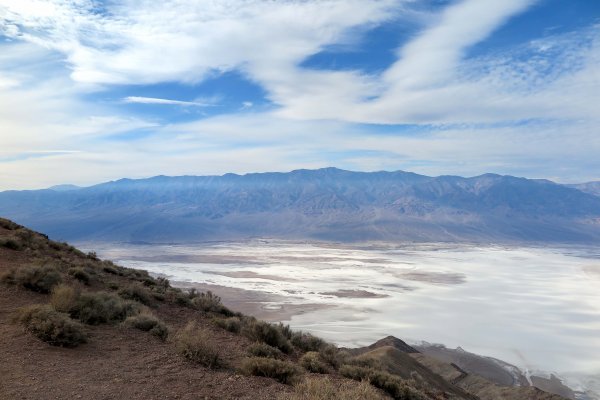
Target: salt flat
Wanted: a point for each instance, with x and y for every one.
(535, 307)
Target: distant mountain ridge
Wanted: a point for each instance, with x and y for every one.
(326, 204)
(588, 187)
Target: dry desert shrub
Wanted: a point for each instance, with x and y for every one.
(209, 302)
(282, 371)
(324, 389)
(231, 324)
(80, 274)
(137, 292)
(10, 244)
(196, 345)
(391, 384)
(147, 322)
(264, 350)
(312, 362)
(102, 307)
(63, 298)
(34, 277)
(52, 326)
(306, 341)
(261, 331)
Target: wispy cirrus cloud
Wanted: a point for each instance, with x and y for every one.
(154, 100)
(143, 43)
(149, 42)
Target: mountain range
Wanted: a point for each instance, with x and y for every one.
(323, 204)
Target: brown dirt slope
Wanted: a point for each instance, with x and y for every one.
(119, 361)
(479, 386)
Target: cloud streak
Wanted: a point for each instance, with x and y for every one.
(154, 100)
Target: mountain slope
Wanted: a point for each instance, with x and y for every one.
(589, 187)
(329, 204)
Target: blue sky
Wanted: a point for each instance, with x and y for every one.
(98, 90)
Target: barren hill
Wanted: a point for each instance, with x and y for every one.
(75, 326)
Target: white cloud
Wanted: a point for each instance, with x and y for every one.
(154, 100)
(149, 41)
(44, 111)
(432, 57)
(137, 42)
(433, 83)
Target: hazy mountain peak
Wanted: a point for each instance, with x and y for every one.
(64, 187)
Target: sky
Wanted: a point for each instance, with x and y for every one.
(92, 91)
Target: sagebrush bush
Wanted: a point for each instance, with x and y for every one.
(306, 341)
(391, 384)
(102, 307)
(80, 274)
(267, 333)
(264, 350)
(109, 269)
(311, 361)
(180, 298)
(231, 324)
(324, 389)
(37, 278)
(367, 362)
(63, 298)
(52, 326)
(333, 356)
(149, 281)
(11, 244)
(8, 224)
(147, 322)
(282, 371)
(137, 292)
(158, 296)
(196, 345)
(162, 284)
(208, 302)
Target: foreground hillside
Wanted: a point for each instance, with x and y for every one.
(328, 204)
(74, 326)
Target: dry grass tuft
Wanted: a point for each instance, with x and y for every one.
(147, 322)
(312, 362)
(37, 278)
(282, 371)
(391, 384)
(63, 298)
(231, 324)
(80, 274)
(324, 389)
(264, 350)
(196, 345)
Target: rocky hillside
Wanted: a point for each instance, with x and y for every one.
(75, 326)
(328, 204)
